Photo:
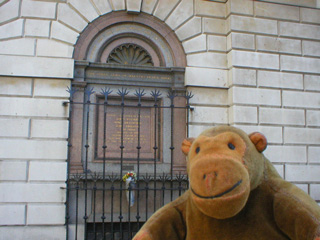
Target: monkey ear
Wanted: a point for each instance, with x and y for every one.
(259, 140)
(186, 144)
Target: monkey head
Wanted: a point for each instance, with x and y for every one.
(224, 164)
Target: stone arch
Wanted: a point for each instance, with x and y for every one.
(102, 35)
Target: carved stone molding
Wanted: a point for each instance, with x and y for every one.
(130, 54)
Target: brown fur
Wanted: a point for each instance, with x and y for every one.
(235, 193)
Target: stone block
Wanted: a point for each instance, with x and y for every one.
(313, 118)
(32, 107)
(9, 11)
(300, 64)
(189, 29)
(209, 96)
(301, 99)
(255, 96)
(314, 154)
(206, 77)
(15, 86)
(38, 9)
(47, 171)
(32, 193)
(301, 135)
(71, 18)
(244, 7)
(253, 25)
(280, 169)
(286, 154)
(241, 41)
(33, 232)
(281, 116)
(86, 8)
(52, 48)
(46, 214)
(211, 115)
(49, 128)
(13, 171)
(51, 88)
(118, 5)
(36, 66)
(214, 26)
(148, 6)
(180, 14)
(21, 46)
(274, 44)
(164, 8)
(312, 82)
(63, 33)
(14, 127)
(211, 9)
(37, 28)
(241, 114)
(245, 77)
(315, 191)
(308, 3)
(311, 48)
(12, 29)
(253, 60)
(309, 15)
(273, 134)
(134, 5)
(196, 44)
(276, 11)
(217, 43)
(302, 173)
(33, 149)
(12, 214)
(102, 6)
(195, 129)
(298, 30)
(280, 80)
(207, 59)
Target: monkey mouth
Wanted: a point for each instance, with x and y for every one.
(220, 194)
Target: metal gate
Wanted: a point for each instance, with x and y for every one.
(117, 190)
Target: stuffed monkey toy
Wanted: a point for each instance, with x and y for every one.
(234, 194)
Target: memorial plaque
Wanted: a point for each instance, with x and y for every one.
(124, 130)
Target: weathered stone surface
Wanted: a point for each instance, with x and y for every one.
(37, 28)
(36, 66)
(180, 14)
(189, 29)
(206, 77)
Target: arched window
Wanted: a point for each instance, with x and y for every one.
(129, 113)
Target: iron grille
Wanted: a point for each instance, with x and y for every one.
(98, 200)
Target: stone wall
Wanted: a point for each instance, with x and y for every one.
(251, 64)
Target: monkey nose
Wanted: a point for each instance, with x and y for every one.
(210, 175)
(209, 178)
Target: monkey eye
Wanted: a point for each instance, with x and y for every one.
(231, 146)
(197, 149)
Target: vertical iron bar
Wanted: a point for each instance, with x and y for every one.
(106, 93)
(77, 210)
(155, 94)
(122, 93)
(129, 213)
(94, 206)
(171, 95)
(67, 204)
(147, 195)
(88, 92)
(139, 94)
(112, 196)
